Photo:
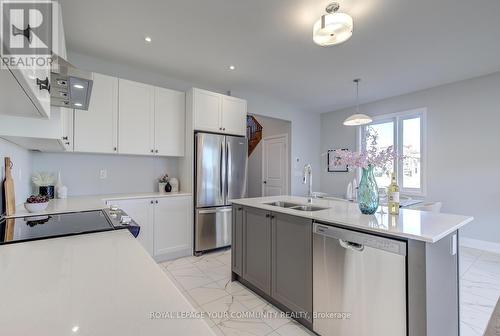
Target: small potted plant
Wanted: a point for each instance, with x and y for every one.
(45, 183)
(163, 184)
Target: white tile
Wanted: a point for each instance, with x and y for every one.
(218, 273)
(223, 309)
(249, 299)
(190, 277)
(207, 264)
(271, 315)
(207, 293)
(294, 329)
(244, 327)
(231, 287)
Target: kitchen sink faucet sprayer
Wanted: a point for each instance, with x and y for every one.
(308, 176)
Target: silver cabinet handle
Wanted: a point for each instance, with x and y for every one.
(351, 246)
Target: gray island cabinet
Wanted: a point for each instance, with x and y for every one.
(274, 251)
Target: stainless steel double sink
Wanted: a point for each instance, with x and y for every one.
(296, 206)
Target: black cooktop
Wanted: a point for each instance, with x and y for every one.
(22, 229)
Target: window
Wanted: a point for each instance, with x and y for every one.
(404, 131)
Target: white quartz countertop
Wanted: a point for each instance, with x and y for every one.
(94, 284)
(89, 203)
(412, 224)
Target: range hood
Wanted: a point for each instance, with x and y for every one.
(70, 87)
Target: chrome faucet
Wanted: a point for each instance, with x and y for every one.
(308, 176)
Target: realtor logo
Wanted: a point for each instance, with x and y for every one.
(26, 32)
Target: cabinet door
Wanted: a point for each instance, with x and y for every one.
(136, 118)
(292, 262)
(170, 122)
(96, 130)
(67, 120)
(206, 110)
(173, 227)
(237, 240)
(141, 211)
(257, 248)
(234, 115)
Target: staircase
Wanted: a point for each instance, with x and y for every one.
(254, 133)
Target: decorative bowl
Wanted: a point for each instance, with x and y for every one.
(36, 207)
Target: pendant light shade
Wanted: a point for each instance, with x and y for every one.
(357, 119)
(332, 28)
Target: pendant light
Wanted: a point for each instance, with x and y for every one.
(357, 119)
(333, 27)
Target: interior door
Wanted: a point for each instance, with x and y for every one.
(275, 166)
(96, 130)
(210, 170)
(236, 158)
(136, 118)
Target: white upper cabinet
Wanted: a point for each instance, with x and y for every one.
(206, 110)
(234, 115)
(135, 118)
(170, 116)
(96, 130)
(218, 113)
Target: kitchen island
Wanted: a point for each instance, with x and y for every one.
(94, 284)
(380, 274)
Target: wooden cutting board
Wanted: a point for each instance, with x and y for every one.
(8, 187)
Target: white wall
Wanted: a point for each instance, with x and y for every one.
(305, 140)
(81, 172)
(21, 170)
(463, 139)
(270, 126)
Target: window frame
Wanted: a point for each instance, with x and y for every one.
(398, 119)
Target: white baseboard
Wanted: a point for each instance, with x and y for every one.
(480, 244)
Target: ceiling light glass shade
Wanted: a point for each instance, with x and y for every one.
(332, 29)
(357, 120)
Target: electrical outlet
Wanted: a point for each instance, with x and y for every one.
(103, 174)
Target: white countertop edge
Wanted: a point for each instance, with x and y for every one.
(89, 203)
(313, 215)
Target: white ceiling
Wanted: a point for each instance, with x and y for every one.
(398, 46)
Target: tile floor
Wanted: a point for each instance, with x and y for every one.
(205, 281)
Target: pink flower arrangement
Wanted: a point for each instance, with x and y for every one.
(371, 156)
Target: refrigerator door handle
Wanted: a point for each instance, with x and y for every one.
(228, 170)
(221, 181)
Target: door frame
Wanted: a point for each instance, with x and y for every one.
(287, 160)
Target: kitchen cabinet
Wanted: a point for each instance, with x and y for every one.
(257, 248)
(67, 121)
(172, 226)
(166, 224)
(234, 115)
(135, 118)
(96, 130)
(237, 240)
(169, 122)
(214, 112)
(142, 211)
(291, 263)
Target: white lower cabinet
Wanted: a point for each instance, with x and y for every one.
(173, 227)
(166, 224)
(142, 211)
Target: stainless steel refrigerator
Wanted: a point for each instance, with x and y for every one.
(220, 175)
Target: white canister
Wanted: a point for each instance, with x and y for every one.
(175, 184)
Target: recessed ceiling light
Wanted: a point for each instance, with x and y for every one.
(147, 39)
(75, 329)
(78, 104)
(78, 86)
(232, 67)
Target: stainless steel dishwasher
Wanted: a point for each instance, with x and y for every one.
(359, 283)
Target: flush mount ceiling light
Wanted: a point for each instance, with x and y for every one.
(333, 27)
(232, 67)
(357, 119)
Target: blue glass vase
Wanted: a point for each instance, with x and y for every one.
(368, 192)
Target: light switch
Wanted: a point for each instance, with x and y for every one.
(103, 174)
